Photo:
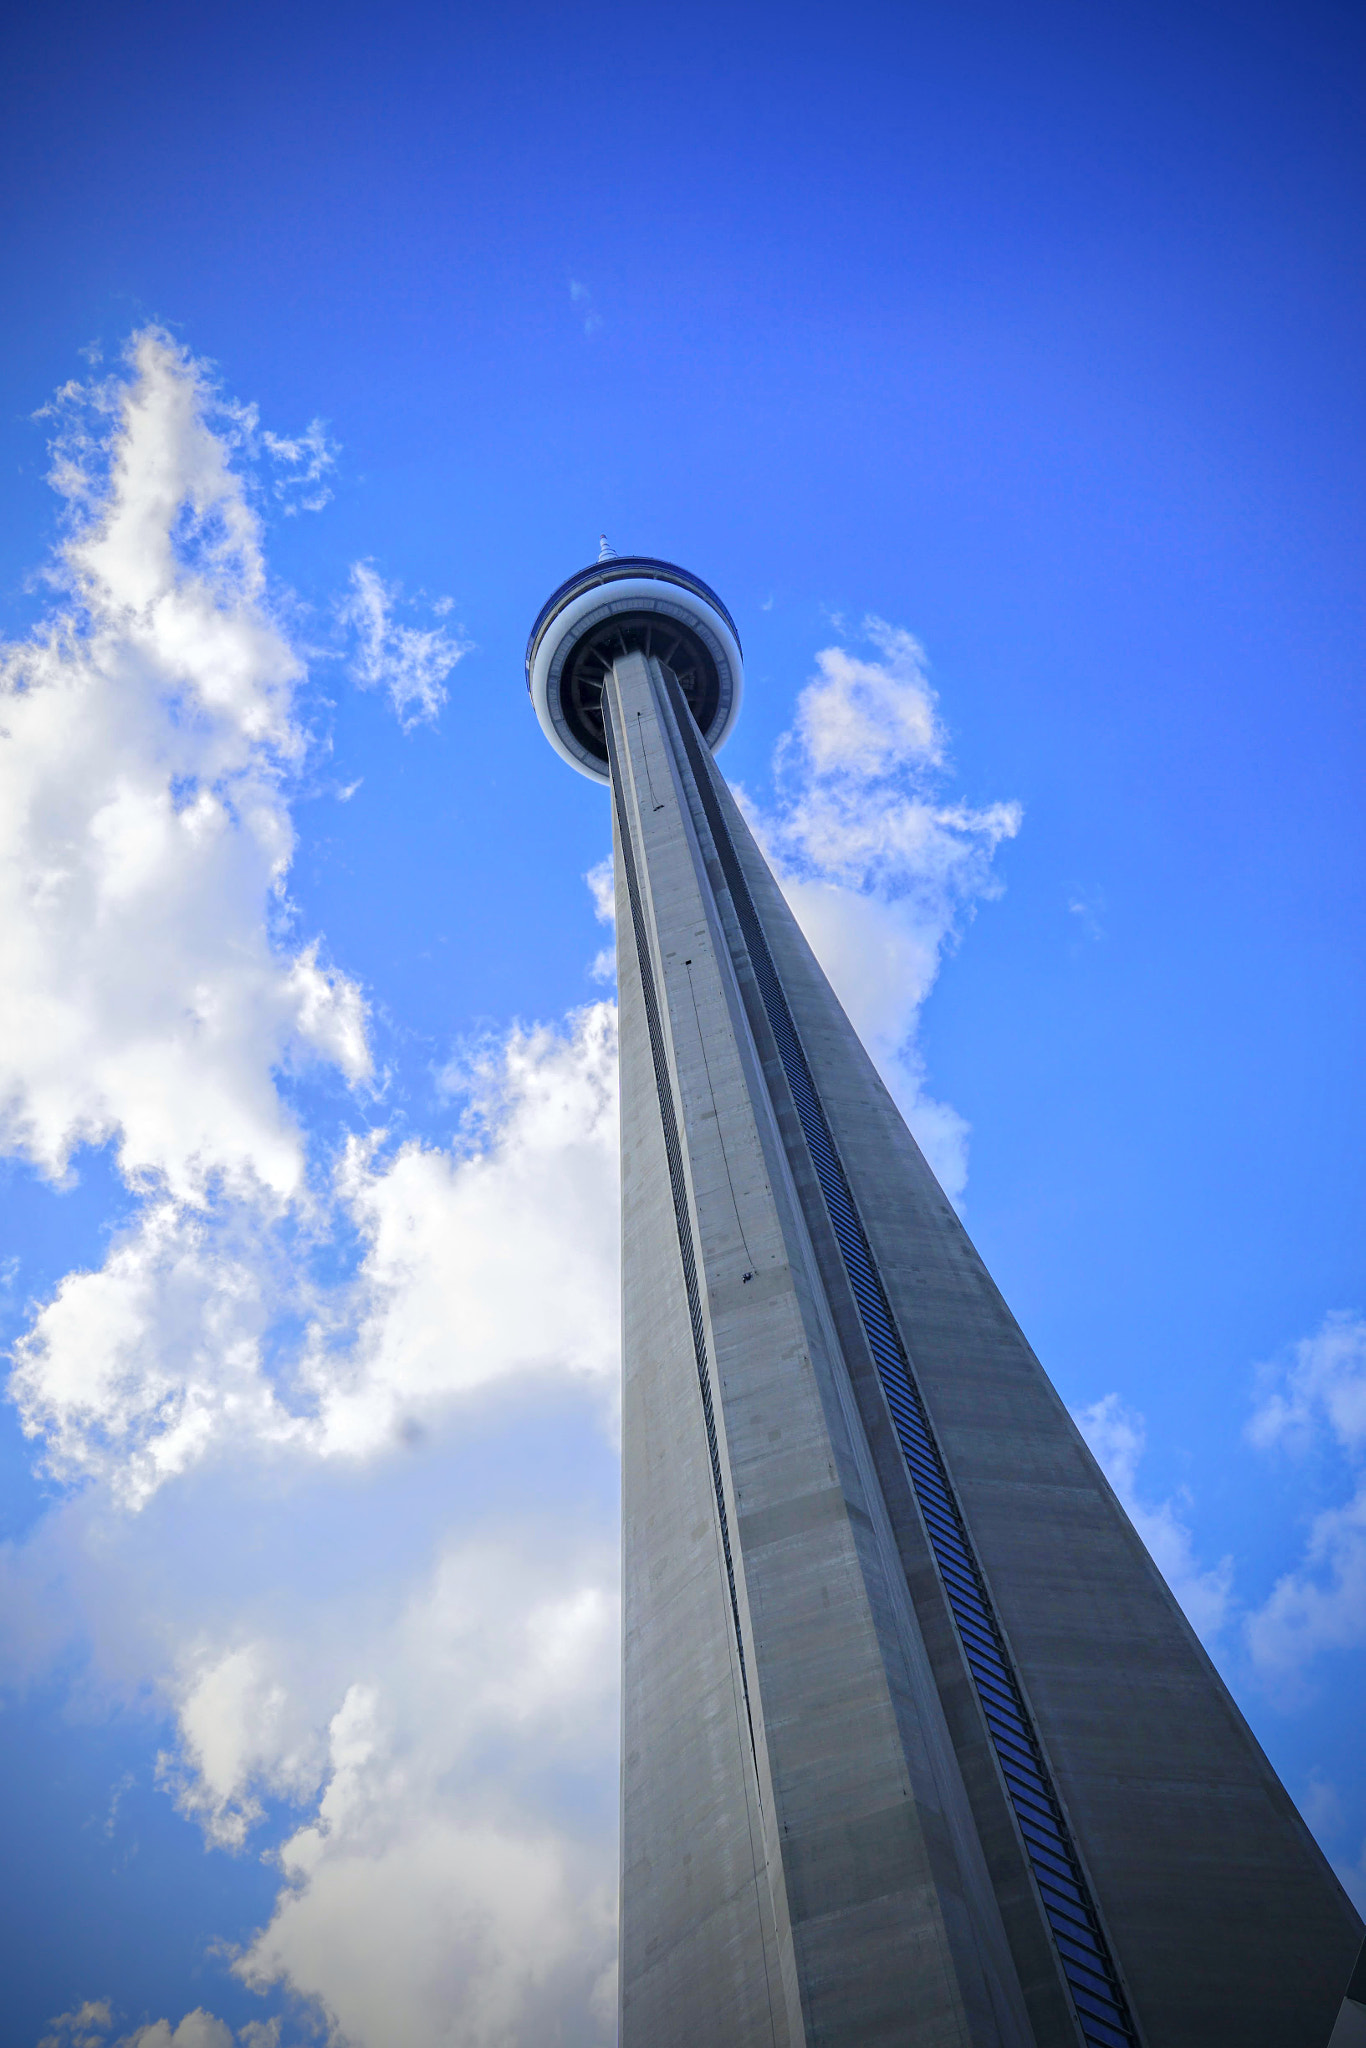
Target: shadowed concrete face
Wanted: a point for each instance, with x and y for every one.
(917, 1745)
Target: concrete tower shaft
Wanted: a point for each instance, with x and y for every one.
(917, 1746)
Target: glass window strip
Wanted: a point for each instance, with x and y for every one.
(1065, 1920)
(1066, 1894)
(1101, 2036)
(1079, 1973)
(1027, 1801)
(996, 1715)
(1042, 1854)
(1104, 2009)
(1070, 1945)
(1027, 1778)
(1012, 1748)
(976, 1632)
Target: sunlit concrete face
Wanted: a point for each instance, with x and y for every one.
(917, 1746)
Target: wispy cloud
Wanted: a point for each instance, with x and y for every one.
(292, 470)
(411, 663)
(303, 463)
(879, 867)
(1316, 1403)
(581, 298)
(1086, 908)
(602, 887)
(1118, 1437)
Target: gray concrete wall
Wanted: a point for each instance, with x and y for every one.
(693, 1882)
(835, 1858)
(1228, 1924)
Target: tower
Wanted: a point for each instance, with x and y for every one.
(917, 1746)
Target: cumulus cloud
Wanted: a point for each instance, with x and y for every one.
(880, 870)
(296, 1329)
(92, 2026)
(149, 734)
(1317, 1404)
(410, 663)
(1321, 1392)
(1117, 1436)
(428, 1685)
(429, 1900)
(198, 2029)
(466, 1273)
(132, 1372)
(333, 1612)
(471, 1269)
(86, 2026)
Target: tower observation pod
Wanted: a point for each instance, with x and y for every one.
(918, 1750)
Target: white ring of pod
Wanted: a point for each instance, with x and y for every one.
(629, 594)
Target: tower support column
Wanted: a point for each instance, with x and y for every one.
(839, 1852)
(918, 1748)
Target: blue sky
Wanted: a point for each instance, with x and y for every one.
(1000, 367)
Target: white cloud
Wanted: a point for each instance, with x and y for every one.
(421, 1708)
(481, 1264)
(84, 2026)
(1319, 1606)
(281, 1337)
(429, 1901)
(1317, 1403)
(148, 740)
(410, 662)
(131, 1372)
(581, 298)
(198, 2029)
(91, 2025)
(303, 460)
(1322, 1392)
(469, 1272)
(879, 870)
(1087, 908)
(432, 1688)
(242, 1731)
(866, 719)
(1117, 1438)
(602, 887)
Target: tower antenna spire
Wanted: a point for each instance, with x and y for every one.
(606, 552)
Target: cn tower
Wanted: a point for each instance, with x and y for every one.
(917, 1748)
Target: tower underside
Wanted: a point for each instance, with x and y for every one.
(917, 1746)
